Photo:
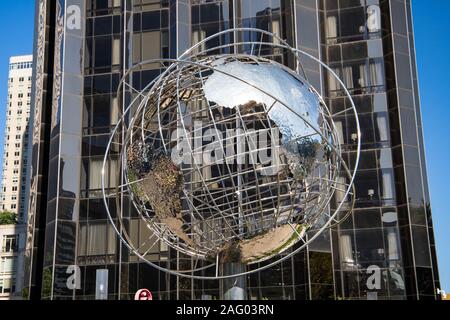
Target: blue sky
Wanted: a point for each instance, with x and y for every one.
(432, 44)
(433, 59)
(16, 37)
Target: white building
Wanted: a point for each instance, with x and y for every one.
(17, 131)
(12, 247)
(14, 191)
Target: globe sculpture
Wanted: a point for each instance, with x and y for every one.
(229, 158)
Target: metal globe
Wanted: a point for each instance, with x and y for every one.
(231, 158)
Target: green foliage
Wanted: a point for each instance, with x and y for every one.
(7, 217)
(47, 283)
(26, 293)
(321, 275)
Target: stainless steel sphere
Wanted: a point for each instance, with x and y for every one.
(231, 157)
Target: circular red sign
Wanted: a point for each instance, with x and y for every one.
(143, 294)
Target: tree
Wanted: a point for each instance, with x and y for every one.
(7, 217)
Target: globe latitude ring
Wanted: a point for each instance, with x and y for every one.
(247, 225)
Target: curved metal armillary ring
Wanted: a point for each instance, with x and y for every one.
(127, 120)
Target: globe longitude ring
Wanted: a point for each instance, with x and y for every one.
(227, 157)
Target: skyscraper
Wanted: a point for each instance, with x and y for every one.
(14, 187)
(15, 153)
(385, 250)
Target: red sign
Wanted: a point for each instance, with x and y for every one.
(143, 294)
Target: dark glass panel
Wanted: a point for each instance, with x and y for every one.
(417, 215)
(350, 281)
(101, 111)
(367, 160)
(102, 84)
(151, 20)
(351, 21)
(272, 276)
(67, 209)
(425, 281)
(103, 25)
(414, 185)
(137, 18)
(272, 293)
(117, 28)
(421, 246)
(300, 270)
(366, 184)
(97, 209)
(103, 53)
(322, 292)
(60, 282)
(49, 244)
(396, 282)
(320, 268)
(354, 51)
(65, 243)
(370, 247)
(83, 209)
(148, 277)
(367, 219)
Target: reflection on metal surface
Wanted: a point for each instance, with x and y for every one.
(101, 284)
(274, 201)
(229, 159)
(235, 86)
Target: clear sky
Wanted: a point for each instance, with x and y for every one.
(431, 26)
(16, 38)
(433, 58)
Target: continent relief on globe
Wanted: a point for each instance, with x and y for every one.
(161, 184)
(283, 102)
(262, 246)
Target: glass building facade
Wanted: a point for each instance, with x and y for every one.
(384, 250)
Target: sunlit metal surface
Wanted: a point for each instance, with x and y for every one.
(271, 170)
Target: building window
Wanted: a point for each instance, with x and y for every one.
(20, 95)
(97, 239)
(21, 79)
(20, 65)
(10, 243)
(8, 267)
(7, 285)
